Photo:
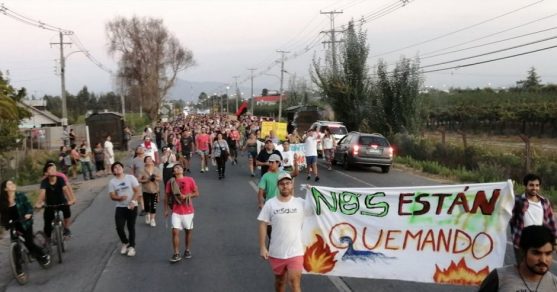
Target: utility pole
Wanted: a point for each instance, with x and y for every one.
(281, 81)
(252, 97)
(237, 91)
(333, 40)
(63, 76)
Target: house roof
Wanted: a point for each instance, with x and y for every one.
(44, 113)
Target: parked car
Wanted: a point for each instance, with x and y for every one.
(338, 131)
(364, 149)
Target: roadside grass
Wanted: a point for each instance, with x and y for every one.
(484, 173)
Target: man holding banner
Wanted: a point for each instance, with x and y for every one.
(285, 254)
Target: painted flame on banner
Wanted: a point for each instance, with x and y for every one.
(318, 257)
(460, 274)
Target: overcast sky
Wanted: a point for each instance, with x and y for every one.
(227, 37)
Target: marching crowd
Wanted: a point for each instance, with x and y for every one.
(165, 157)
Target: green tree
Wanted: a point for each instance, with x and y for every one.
(398, 93)
(11, 115)
(150, 58)
(532, 82)
(348, 90)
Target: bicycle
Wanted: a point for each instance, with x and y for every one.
(58, 230)
(19, 254)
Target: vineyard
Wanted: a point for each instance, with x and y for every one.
(493, 112)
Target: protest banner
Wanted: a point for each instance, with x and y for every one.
(452, 234)
(299, 150)
(279, 128)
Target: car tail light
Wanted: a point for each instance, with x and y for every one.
(391, 152)
(356, 149)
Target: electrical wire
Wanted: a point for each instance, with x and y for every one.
(491, 60)
(487, 44)
(492, 52)
(29, 21)
(458, 30)
(491, 34)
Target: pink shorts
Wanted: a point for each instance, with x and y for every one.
(279, 266)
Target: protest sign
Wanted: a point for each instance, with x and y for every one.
(453, 234)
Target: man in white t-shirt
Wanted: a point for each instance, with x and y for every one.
(310, 144)
(124, 189)
(531, 208)
(150, 149)
(285, 254)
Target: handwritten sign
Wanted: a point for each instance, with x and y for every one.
(453, 234)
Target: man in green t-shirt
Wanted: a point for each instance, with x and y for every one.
(268, 182)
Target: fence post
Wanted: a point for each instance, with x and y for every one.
(443, 133)
(527, 152)
(464, 139)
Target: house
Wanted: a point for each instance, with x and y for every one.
(40, 117)
(268, 99)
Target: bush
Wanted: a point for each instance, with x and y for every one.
(136, 123)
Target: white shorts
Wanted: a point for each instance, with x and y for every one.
(182, 221)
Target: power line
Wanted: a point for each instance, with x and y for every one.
(492, 52)
(29, 21)
(458, 30)
(487, 44)
(491, 60)
(491, 34)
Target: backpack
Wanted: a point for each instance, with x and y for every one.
(174, 198)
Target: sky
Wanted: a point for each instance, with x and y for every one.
(228, 37)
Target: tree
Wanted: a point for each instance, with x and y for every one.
(10, 116)
(398, 93)
(532, 82)
(150, 58)
(348, 90)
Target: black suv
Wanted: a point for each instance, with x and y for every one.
(364, 149)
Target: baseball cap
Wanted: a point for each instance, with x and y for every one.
(284, 175)
(274, 157)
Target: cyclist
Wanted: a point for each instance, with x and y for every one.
(54, 191)
(15, 206)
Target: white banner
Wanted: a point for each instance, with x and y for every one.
(454, 234)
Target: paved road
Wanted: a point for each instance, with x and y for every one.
(225, 251)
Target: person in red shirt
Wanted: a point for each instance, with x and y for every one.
(179, 193)
(203, 143)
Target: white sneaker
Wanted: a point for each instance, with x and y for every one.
(153, 223)
(131, 252)
(147, 219)
(124, 249)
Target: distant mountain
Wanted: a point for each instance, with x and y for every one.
(190, 90)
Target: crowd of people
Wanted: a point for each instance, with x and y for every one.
(161, 170)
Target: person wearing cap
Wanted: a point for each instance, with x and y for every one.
(286, 214)
(264, 154)
(124, 189)
(268, 182)
(54, 191)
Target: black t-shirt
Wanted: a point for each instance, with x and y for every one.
(187, 143)
(54, 193)
(263, 156)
